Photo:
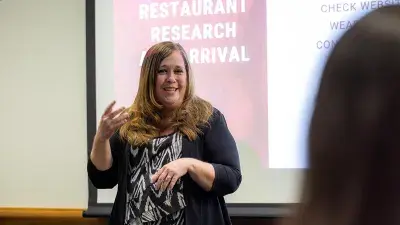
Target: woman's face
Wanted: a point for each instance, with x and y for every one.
(171, 81)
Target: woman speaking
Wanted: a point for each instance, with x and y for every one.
(171, 152)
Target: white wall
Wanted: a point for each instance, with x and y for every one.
(43, 104)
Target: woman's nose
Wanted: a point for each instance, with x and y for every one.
(171, 78)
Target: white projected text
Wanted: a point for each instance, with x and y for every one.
(164, 10)
(210, 30)
(193, 32)
(347, 8)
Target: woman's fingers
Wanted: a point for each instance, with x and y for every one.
(109, 108)
(166, 182)
(168, 175)
(169, 182)
(154, 178)
(121, 117)
(119, 124)
(114, 118)
(174, 179)
(111, 120)
(113, 114)
(120, 120)
(161, 179)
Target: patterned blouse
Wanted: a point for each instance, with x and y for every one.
(144, 204)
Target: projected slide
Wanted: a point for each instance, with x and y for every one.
(230, 66)
(258, 61)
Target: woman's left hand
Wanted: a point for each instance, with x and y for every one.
(168, 175)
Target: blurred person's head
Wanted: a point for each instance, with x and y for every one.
(165, 97)
(354, 137)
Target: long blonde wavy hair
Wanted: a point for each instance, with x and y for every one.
(145, 115)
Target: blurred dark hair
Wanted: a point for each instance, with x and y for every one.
(354, 138)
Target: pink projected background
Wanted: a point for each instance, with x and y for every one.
(237, 88)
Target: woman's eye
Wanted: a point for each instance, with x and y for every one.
(162, 71)
(178, 71)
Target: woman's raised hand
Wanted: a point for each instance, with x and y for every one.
(110, 121)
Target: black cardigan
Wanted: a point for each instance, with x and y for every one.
(215, 146)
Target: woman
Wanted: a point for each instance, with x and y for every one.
(171, 153)
(354, 149)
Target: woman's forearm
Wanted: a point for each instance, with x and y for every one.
(100, 155)
(202, 173)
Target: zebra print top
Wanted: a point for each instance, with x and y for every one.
(144, 204)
